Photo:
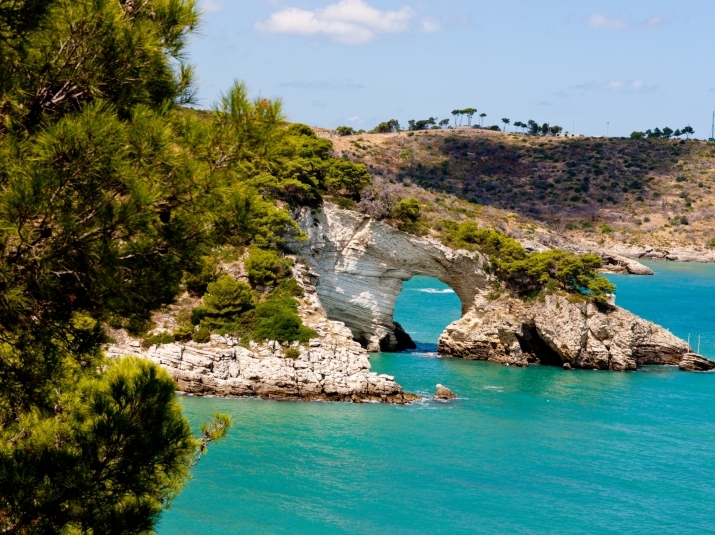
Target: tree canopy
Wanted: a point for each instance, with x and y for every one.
(110, 193)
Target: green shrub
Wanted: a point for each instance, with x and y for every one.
(573, 273)
(227, 298)
(265, 267)
(711, 243)
(344, 203)
(292, 353)
(197, 315)
(157, 339)
(280, 324)
(205, 273)
(407, 210)
(202, 335)
(184, 332)
(529, 273)
(277, 318)
(346, 178)
(467, 235)
(287, 288)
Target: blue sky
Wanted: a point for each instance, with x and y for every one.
(635, 65)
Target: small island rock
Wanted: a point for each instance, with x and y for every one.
(444, 393)
(693, 362)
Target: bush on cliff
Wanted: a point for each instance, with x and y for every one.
(227, 298)
(265, 267)
(232, 307)
(407, 214)
(529, 273)
(205, 272)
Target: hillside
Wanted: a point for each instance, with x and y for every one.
(605, 192)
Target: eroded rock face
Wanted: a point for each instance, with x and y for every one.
(557, 332)
(361, 264)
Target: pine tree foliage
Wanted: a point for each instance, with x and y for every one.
(110, 192)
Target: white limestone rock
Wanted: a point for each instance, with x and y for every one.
(360, 264)
(556, 331)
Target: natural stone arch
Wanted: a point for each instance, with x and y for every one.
(360, 265)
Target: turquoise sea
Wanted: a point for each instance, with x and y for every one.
(532, 451)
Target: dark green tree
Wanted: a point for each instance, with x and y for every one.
(506, 123)
(469, 112)
(387, 127)
(455, 114)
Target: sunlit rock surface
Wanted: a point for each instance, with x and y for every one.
(361, 264)
(556, 331)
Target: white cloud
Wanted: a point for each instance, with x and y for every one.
(657, 20)
(211, 6)
(348, 21)
(605, 20)
(431, 25)
(342, 83)
(608, 21)
(634, 84)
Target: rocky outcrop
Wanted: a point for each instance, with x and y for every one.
(332, 367)
(615, 263)
(557, 332)
(443, 392)
(361, 264)
(692, 362)
(223, 368)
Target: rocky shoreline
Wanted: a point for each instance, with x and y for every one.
(558, 332)
(351, 269)
(333, 367)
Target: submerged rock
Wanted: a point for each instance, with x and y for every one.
(444, 393)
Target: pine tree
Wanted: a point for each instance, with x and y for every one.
(97, 212)
(110, 192)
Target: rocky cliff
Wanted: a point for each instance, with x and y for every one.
(351, 269)
(361, 265)
(333, 367)
(555, 331)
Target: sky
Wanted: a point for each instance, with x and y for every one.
(592, 67)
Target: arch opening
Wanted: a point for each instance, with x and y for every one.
(424, 308)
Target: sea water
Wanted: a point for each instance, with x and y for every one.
(524, 450)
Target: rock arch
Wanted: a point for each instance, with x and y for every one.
(360, 264)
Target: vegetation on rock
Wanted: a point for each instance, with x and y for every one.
(530, 273)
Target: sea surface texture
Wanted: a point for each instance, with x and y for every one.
(535, 450)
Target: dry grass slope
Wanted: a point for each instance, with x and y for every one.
(600, 190)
